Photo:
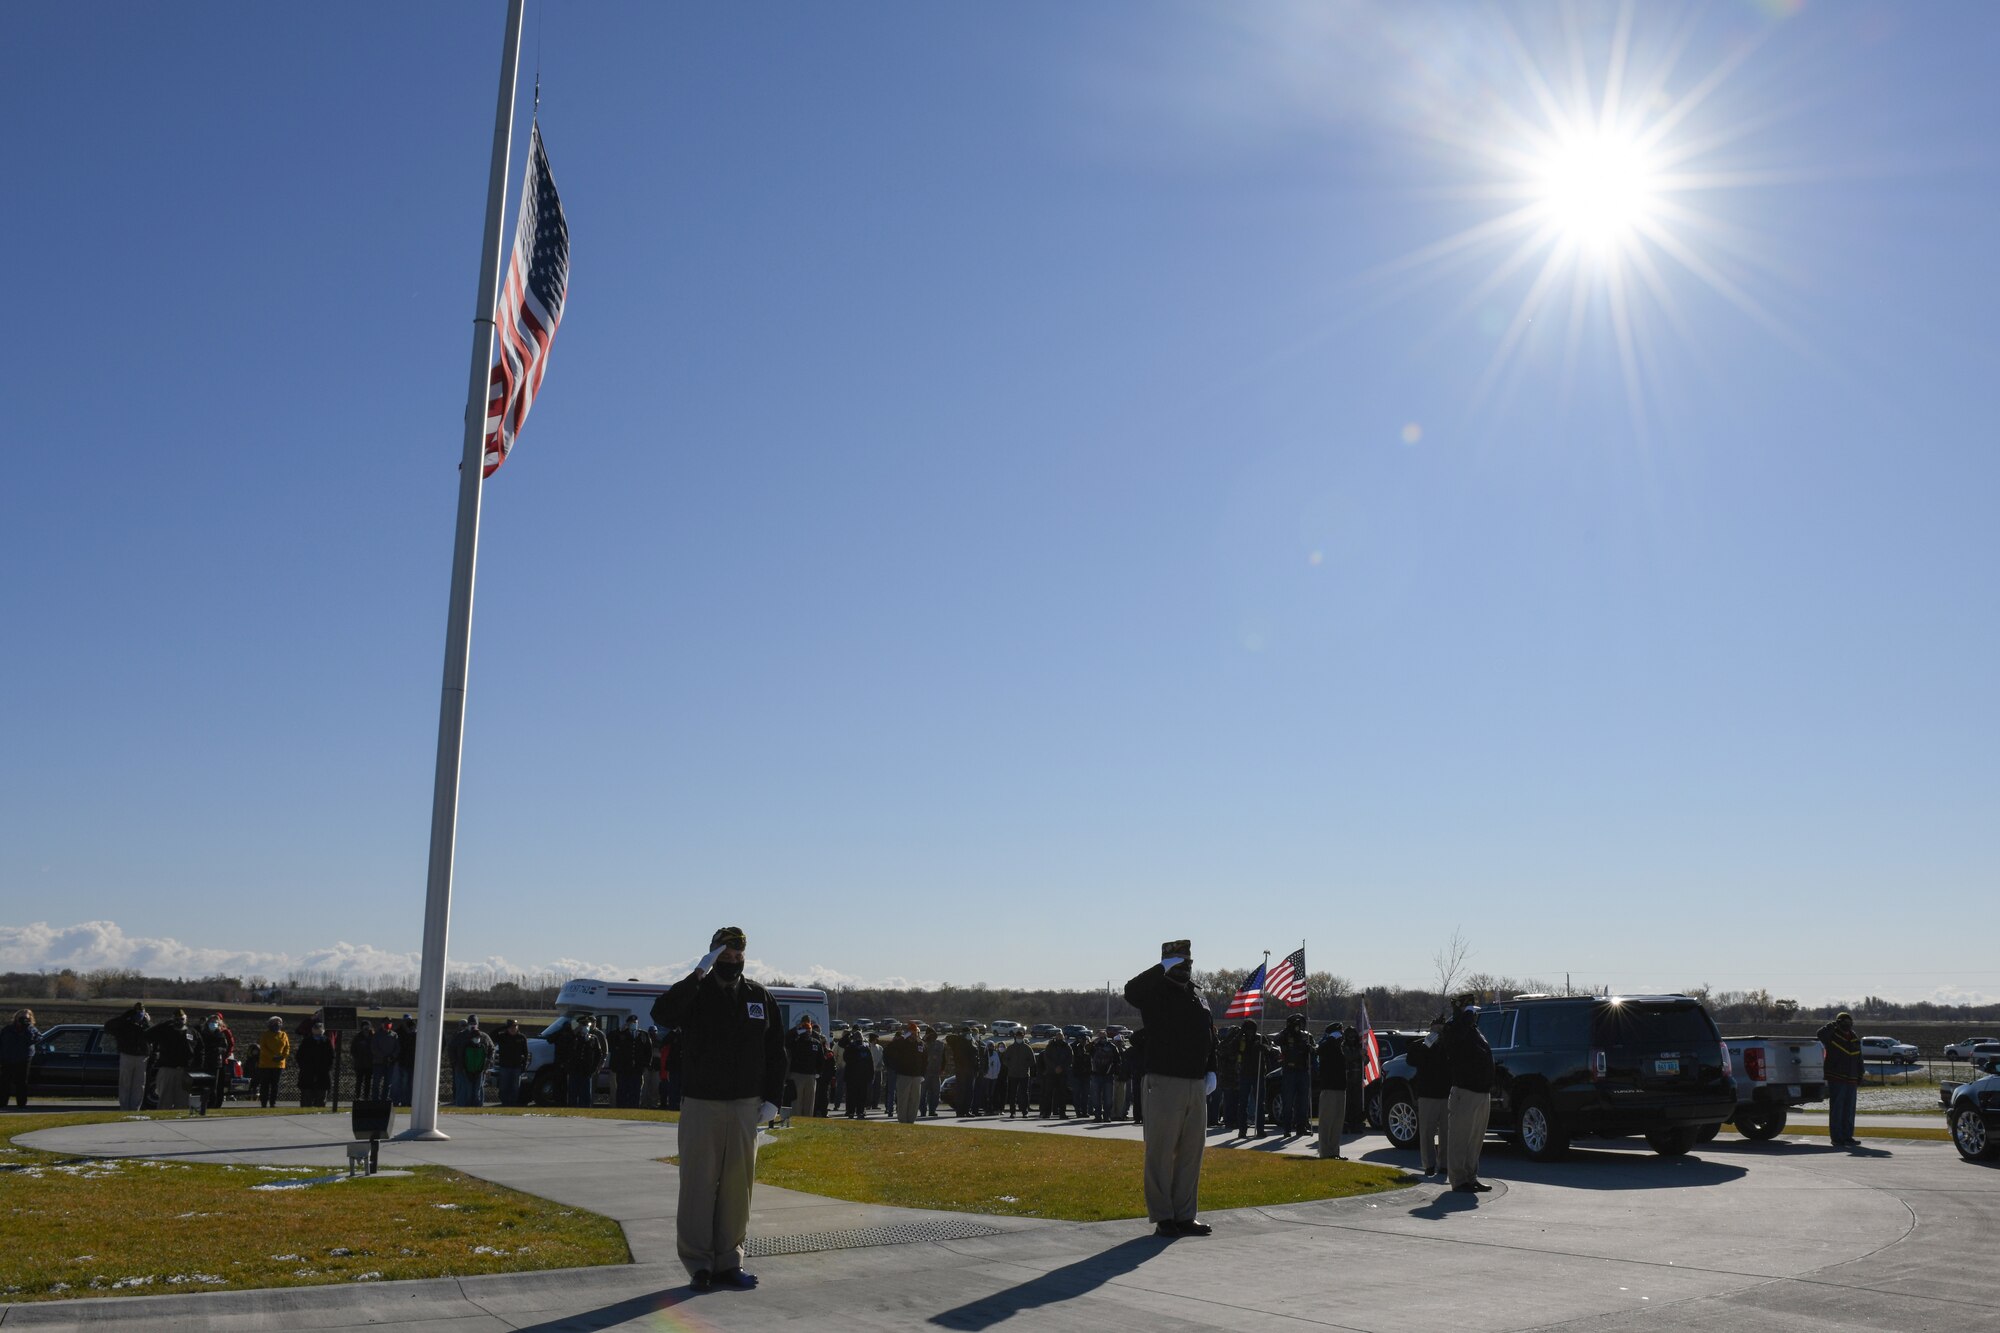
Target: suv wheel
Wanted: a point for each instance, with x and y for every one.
(1399, 1118)
(1761, 1124)
(1969, 1136)
(1707, 1133)
(1375, 1108)
(548, 1092)
(1541, 1137)
(1674, 1142)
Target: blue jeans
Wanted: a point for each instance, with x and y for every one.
(399, 1086)
(580, 1089)
(928, 1102)
(1246, 1106)
(510, 1086)
(1100, 1096)
(1298, 1099)
(1840, 1110)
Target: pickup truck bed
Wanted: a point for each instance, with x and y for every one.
(1774, 1074)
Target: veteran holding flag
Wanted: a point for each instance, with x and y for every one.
(732, 1046)
(1180, 1073)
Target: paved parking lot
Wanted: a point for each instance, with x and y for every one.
(1775, 1236)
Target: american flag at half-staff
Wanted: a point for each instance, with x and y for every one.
(530, 308)
(1287, 981)
(1248, 1002)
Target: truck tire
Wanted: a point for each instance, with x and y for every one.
(1765, 1124)
(1673, 1142)
(548, 1091)
(1707, 1133)
(1399, 1117)
(1541, 1136)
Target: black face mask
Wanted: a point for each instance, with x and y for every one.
(728, 973)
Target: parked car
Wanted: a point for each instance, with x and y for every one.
(1972, 1048)
(1004, 1029)
(1887, 1051)
(1043, 1031)
(1391, 1042)
(1078, 1030)
(79, 1060)
(1972, 1112)
(1569, 1066)
(1773, 1074)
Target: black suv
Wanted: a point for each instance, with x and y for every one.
(1566, 1066)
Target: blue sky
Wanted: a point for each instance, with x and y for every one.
(1014, 484)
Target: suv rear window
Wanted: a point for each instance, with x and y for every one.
(1661, 1025)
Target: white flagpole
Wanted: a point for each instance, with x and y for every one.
(458, 627)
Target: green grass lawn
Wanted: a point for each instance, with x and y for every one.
(78, 1226)
(1033, 1175)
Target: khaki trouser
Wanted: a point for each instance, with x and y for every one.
(131, 1082)
(909, 1097)
(1176, 1132)
(173, 1088)
(1466, 1134)
(718, 1143)
(1433, 1114)
(1332, 1116)
(805, 1089)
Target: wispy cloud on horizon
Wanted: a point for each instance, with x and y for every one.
(95, 946)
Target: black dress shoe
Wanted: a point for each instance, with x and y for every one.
(737, 1279)
(1193, 1228)
(702, 1279)
(1478, 1187)
(1167, 1229)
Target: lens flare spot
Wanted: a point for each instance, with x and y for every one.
(1412, 432)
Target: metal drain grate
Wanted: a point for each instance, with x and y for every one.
(904, 1233)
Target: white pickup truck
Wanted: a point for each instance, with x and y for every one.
(1774, 1074)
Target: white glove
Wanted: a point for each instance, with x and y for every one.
(1208, 1084)
(766, 1113)
(1169, 964)
(708, 960)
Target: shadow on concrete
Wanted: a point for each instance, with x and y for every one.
(1774, 1148)
(625, 1311)
(1058, 1284)
(1600, 1169)
(1445, 1204)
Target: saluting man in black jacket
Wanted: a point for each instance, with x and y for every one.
(1470, 1060)
(732, 1049)
(1180, 1073)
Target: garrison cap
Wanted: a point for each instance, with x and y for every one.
(729, 937)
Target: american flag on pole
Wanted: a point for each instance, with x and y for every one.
(1248, 1001)
(1288, 978)
(531, 306)
(1372, 1071)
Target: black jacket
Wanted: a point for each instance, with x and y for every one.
(129, 1031)
(1433, 1069)
(732, 1038)
(1331, 1073)
(1468, 1055)
(1180, 1032)
(1055, 1057)
(178, 1046)
(513, 1050)
(1843, 1054)
(1244, 1054)
(905, 1056)
(1295, 1048)
(805, 1051)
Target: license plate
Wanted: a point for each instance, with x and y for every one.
(1794, 1090)
(1666, 1066)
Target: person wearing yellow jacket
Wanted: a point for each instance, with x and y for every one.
(274, 1050)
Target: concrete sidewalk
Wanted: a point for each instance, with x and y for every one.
(1738, 1236)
